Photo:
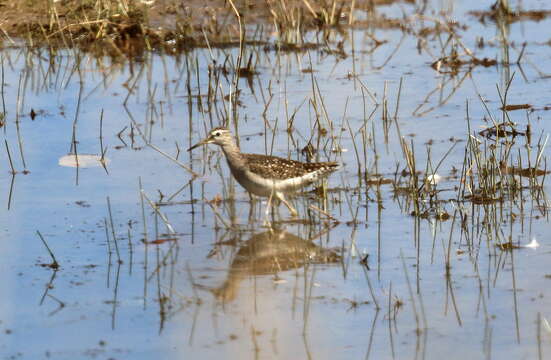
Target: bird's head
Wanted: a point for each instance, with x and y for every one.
(219, 136)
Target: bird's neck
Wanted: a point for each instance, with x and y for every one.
(233, 155)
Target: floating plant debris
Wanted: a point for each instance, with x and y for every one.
(516, 107)
(508, 246)
(500, 130)
(82, 160)
(526, 172)
(378, 181)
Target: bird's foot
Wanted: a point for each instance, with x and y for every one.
(267, 224)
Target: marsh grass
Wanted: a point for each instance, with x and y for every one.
(121, 28)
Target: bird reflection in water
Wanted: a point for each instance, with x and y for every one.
(271, 252)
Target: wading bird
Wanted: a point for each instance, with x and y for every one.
(267, 176)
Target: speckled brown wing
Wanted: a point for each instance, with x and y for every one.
(280, 169)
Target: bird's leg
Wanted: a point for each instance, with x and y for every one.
(268, 208)
(292, 210)
(252, 202)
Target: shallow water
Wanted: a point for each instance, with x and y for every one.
(207, 291)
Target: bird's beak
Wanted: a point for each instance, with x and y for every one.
(202, 142)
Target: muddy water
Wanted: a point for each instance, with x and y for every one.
(199, 276)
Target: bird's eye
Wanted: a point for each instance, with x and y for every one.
(217, 134)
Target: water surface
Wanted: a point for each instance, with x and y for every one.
(206, 279)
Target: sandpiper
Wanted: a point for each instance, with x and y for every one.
(263, 175)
